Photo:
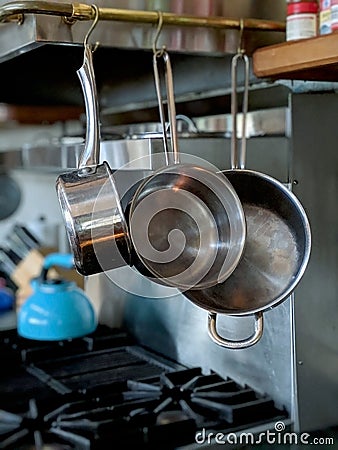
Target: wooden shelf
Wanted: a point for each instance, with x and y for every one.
(314, 59)
(24, 114)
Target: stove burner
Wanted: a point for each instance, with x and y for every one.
(33, 427)
(117, 396)
(204, 398)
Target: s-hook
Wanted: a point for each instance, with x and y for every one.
(158, 53)
(91, 29)
(240, 48)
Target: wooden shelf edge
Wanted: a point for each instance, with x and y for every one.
(314, 59)
(30, 115)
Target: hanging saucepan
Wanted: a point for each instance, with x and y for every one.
(94, 219)
(186, 222)
(277, 246)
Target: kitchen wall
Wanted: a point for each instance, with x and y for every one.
(38, 196)
(37, 199)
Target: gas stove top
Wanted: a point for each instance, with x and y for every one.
(104, 390)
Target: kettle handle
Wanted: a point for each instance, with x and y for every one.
(65, 260)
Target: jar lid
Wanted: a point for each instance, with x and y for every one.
(302, 7)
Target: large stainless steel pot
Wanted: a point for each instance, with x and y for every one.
(94, 219)
(277, 249)
(186, 222)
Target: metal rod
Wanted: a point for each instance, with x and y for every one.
(80, 11)
(35, 7)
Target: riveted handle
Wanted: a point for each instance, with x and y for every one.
(243, 343)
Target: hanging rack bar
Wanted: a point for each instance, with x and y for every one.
(81, 11)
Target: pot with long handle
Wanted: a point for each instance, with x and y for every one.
(93, 215)
(186, 222)
(278, 242)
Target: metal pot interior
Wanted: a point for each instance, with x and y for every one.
(191, 224)
(276, 253)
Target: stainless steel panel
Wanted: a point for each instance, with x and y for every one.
(45, 157)
(126, 84)
(265, 122)
(269, 155)
(167, 322)
(130, 153)
(207, 150)
(50, 51)
(17, 39)
(138, 154)
(315, 168)
(177, 328)
(10, 160)
(139, 36)
(268, 122)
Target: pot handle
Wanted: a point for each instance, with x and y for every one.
(238, 157)
(169, 84)
(244, 343)
(91, 153)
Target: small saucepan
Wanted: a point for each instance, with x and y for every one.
(94, 219)
(186, 222)
(278, 242)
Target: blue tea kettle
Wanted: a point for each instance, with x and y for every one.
(57, 309)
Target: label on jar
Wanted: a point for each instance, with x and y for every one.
(301, 26)
(325, 4)
(325, 22)
(334, 15)
(325, 17)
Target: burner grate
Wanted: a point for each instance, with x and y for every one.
(207, 399)
(88, 363)
(21, 386)
(31, 351)
(104, 391)
(96, 370)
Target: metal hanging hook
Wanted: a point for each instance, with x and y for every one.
(240, 48)
(96, 19)
(156, 51)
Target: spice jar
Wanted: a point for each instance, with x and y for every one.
(328, 16)
(334, 15)
(301, 20)
(325, 22)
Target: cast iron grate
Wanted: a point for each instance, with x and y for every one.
(30, 351)
(101, 395)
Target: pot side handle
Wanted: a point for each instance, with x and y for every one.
(244, 343)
